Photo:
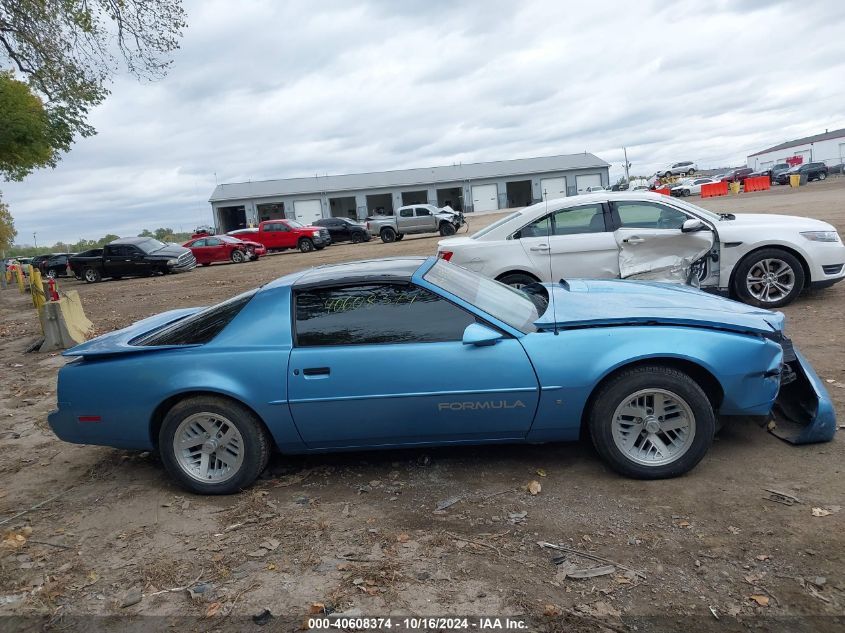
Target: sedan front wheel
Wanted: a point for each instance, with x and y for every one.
(211, 445)
(769, 278)
(652, 422)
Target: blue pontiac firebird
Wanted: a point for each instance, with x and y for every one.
(419, 352)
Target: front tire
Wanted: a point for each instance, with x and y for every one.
(447, 228)
(357, 238)
(306, 245)
(213, 446)
(769, 278)
(237, 257)
(652, 422)
(822, 176)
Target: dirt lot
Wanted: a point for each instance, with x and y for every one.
(360, 533)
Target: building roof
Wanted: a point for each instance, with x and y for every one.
(803, 141)
(404, 177)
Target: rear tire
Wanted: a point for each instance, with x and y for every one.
(306, 245)
(225, 466)
(677, 425)
(517, 280)
(447, 228)
(91, 275)
(387, 235)
(357, 238)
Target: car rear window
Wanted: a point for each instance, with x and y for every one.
(199, 328)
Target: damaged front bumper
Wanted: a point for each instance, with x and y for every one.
(803, 412)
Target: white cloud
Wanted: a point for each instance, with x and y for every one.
(267, 90)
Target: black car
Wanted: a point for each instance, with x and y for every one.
(133, 257)
(813, 171)
(55, 265)
(343, 230)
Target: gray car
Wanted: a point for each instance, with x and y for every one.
(415, 218)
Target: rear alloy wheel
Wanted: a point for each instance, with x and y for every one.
(769, 278)
(652, 422)
(357, 238)
(91, 275)
(387, 235)
(517, 280)
(212, 445)
(447, 228)
(238, 256)
(306, 245)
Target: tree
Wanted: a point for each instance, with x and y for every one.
(7, 227)
(29, 136)
(146, 233)
(64, 49)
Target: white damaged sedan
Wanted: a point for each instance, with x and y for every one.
(761, 259)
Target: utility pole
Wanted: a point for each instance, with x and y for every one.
(35, 239)
(627, 164)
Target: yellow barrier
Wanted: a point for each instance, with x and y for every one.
(735, 186)
(794, 180)
(19, 275)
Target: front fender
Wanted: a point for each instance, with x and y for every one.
(573, 363)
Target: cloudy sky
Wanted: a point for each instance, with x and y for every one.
(271, 90)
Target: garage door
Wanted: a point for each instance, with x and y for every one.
(307, 211)
(485, 198)
(590, 180)
(553, 188)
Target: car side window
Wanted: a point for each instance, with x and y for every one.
(198, 243)
(648, 215)
(213, 241)
(421, 212)
(406, 213)
(586, 219)
(376, 314)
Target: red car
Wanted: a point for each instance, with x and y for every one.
(218, 248)
(279, 235)
(737, 175)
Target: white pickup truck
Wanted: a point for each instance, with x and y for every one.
(415, 218)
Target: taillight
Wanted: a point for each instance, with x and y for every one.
(447, 255)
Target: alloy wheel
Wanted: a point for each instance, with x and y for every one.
(208, 447)
(770, 280)
(653, 427)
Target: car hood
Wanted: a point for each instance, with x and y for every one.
(583, 303)
(169, 251)
(746, 220)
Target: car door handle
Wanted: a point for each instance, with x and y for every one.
(316, 371)
(540, 247)
(633, 240)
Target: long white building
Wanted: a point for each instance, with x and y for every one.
(828, 148)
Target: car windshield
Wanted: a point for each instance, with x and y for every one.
(707, 215)
(507, 304)
(294, 224)
(493, 226)
(228, 239)
(150, 245)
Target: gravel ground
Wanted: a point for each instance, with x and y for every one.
(361, 533)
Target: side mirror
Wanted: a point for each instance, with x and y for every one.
(692, 225)
(479, 335)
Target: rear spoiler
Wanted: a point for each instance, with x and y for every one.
(118, 342)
